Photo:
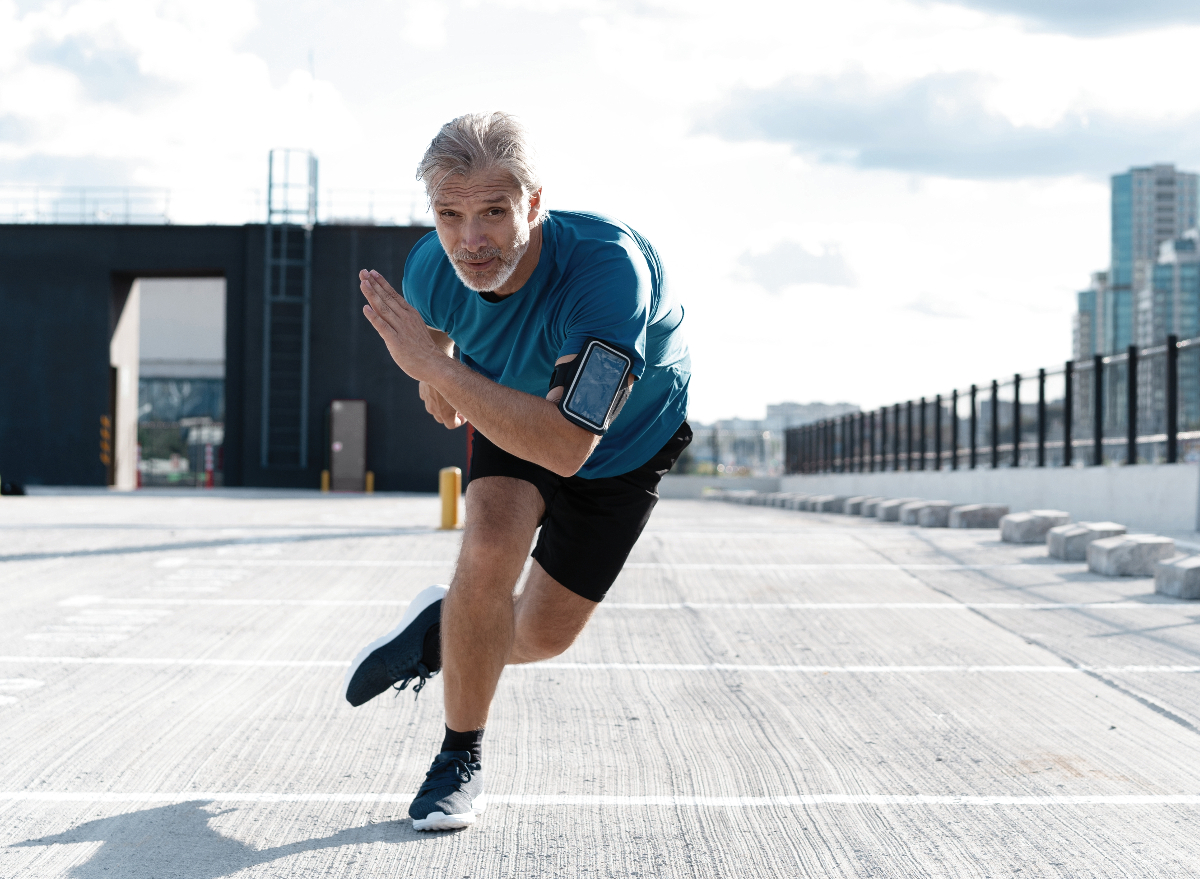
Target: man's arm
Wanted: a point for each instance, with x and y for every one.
(529, 427)
(435, 404)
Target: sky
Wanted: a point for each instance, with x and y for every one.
(863, 201)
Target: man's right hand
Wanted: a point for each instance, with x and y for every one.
(436, 405)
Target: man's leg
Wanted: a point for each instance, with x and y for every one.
(549, 617)
(478, 613)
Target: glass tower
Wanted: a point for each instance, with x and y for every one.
(1150, 205)
(1089, 317)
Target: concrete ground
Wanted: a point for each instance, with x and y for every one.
(765, 693)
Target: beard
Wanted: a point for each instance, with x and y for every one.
(487, 282)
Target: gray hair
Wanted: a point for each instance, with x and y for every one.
(481, 142)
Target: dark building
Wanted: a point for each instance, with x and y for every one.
(62, 291)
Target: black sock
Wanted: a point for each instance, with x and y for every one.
(464, 741)
(431, 648)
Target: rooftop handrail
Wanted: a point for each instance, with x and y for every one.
(1143, 388)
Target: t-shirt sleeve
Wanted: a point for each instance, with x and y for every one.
(610, 300)
(418, 281)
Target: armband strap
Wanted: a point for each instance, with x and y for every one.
(596, 385)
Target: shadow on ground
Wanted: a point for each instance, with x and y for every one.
(177, 841)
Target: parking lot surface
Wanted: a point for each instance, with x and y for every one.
(764, 693)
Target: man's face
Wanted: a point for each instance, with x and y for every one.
(483, 223)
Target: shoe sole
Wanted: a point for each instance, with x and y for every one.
(442, 821)
(424, 598)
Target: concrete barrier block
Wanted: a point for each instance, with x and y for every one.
(1178, 577)
(793, 501)
(870, 506)
(935, 514)
(853, 506)
(977, 515)
(889, 510)
(734, 496)
(832, 503)
(1133, 555)
(1031, 526)
(909, 512)
(1070, 542)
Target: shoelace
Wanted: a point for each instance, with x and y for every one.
(423, 673)
(440, 773)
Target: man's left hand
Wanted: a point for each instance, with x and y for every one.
(398, 324)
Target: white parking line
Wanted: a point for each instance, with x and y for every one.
(681, 566)
(633, 666)
(99, 625)
(82, 600)
(617, 801)
(16, 685)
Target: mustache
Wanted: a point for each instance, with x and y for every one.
(479, 255)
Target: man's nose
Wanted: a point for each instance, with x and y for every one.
(474, 235)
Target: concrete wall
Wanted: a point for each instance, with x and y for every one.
(62, 292)
(1162, 497)
(691, 487)
(123, 357)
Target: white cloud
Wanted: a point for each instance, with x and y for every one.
(790, 263)
(197, 92)
(425, 23)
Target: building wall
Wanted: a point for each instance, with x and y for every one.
(62, 289)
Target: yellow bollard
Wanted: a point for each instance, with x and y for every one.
(370, 487)
(450, 488)
(324, 480)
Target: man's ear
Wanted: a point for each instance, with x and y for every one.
(535, 205)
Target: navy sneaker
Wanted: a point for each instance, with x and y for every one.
(452, 794)
(399, 656)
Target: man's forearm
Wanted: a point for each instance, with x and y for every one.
(529, 427)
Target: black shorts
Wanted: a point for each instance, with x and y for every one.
(590, 525)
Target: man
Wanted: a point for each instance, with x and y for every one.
(573, 373)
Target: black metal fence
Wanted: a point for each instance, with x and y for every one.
(1142, 406)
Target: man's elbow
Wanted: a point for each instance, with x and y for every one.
(572, 456)
(568, 466)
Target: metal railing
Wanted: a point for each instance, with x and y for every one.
(84, 204)
(140, 205)
(1141, 406)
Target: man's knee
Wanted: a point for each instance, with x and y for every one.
(546, 643)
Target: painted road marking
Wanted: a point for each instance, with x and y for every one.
(634, 666)
(85, 600)
(595, 800)
(102, 625)
(680, 566)
(15, 685)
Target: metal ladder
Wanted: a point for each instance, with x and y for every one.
(291, 214)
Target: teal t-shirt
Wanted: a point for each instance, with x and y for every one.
(596, 278)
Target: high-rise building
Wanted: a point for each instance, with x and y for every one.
(1150, 205)
(1170, 302)
(1089, 318)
